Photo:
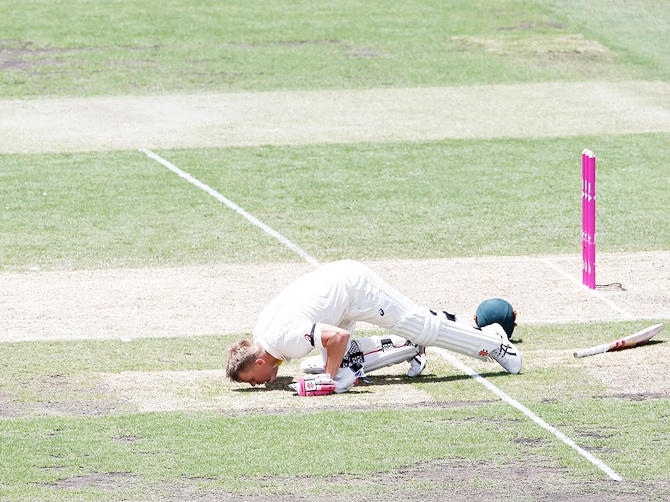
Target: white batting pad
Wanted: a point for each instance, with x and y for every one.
(425, 327)
(378, 352)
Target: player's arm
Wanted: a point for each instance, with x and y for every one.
(335, 340)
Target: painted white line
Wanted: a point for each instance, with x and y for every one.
(469, 371)
(595, 293)
(255, 221)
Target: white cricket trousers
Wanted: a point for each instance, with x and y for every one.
(375, 301)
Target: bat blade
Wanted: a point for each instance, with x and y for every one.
(639, 338)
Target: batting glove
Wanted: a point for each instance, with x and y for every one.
(346, 378)
(314, 385)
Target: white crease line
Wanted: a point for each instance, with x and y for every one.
(255, 221)
(595, 293)
(469, 371)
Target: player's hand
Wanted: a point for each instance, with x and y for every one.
(314, 385)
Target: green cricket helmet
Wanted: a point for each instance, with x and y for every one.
(496, 310)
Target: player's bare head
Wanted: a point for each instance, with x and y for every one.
(241, 355)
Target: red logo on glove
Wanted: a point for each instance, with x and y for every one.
(317, 385)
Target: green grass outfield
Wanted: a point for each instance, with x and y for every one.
(82, 47)
(108, 48)
(64, 435)
(421, 200)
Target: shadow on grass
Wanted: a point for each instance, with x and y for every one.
(372, 380)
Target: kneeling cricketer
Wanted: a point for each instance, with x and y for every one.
(319, 311)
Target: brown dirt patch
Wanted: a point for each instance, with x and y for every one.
(109, 481)
(457, 480)
(550, 44)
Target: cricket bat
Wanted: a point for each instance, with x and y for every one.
(639, 338)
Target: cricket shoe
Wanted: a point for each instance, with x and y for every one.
(417, 363)
(507, 355)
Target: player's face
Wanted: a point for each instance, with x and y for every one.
(260, 372)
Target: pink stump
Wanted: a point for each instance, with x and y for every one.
(589, 219)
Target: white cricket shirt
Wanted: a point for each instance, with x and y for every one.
(284, 326)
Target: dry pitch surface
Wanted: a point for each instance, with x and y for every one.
(352, 116)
